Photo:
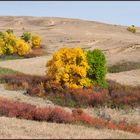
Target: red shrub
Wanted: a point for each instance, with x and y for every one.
(76, 112)
(27, 111)
(89, 96)
(116, 95)
(53, 115)
(18, 78)
(84, 118)
(124, 95)
(60, 116)
(128, 127)
(111, 125)
(42, 114)
(16, 109)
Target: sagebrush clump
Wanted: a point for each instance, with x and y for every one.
(69, 67)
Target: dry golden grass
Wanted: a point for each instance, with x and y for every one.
(22, 129)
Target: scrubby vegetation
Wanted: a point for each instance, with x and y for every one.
(124, 66)
(64, 84)
(36, 41)
(27, 37)
(73, 67)
(12, 45)
(75, 78)
(26, 111)
(115, 96)
(97, 71)
(132, 28)
(69, 67)
(123, 95)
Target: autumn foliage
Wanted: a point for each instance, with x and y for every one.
(56, 114)
(116, 95)
(69, 67)
(11, 44)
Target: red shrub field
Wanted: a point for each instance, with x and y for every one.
(123, 94)
(26, 111)
(115, 95)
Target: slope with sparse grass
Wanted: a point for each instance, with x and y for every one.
(120, 47)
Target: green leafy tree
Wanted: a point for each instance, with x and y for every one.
(97, 62)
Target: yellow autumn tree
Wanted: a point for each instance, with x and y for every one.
(69, 67)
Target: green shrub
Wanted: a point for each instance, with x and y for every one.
(97, 62)
(26, 36)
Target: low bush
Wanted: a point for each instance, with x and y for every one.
(10, 44)
(97, 71)
(26, 111)
(20, 80)
(73, 67)
(27, 37)
(124, 66)
(69, 67)
(78, 97)
(36, 41)
(132, 29)
(123, 94)
(116, 95)
(22, 48)
(16, 109)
